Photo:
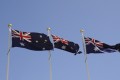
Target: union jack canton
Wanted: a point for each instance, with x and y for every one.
(22, 36)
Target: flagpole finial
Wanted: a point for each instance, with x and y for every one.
(49, 29)
(81, 30)
(9, 25)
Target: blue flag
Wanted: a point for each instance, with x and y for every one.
(31, 40)
(95, 46)
(66, 45)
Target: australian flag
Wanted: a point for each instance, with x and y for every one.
(65, 45)
(95, 46)
(31, 40)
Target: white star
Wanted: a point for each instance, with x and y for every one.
(36, 41)
(40, 36)
(63, 47)
(45, 41)
(96, 48)
(22, 44)
(43, 48)
(71, 47)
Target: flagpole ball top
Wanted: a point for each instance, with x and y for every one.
(9, 25)
(49, 28)
(81, 30)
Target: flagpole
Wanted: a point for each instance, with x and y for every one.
(49, 58)
(8, 53)
(85, 54)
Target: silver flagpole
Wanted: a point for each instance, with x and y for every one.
(49, 58)
(8, 53)
(85, 54)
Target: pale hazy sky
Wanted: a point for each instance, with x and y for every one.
(99, 18)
